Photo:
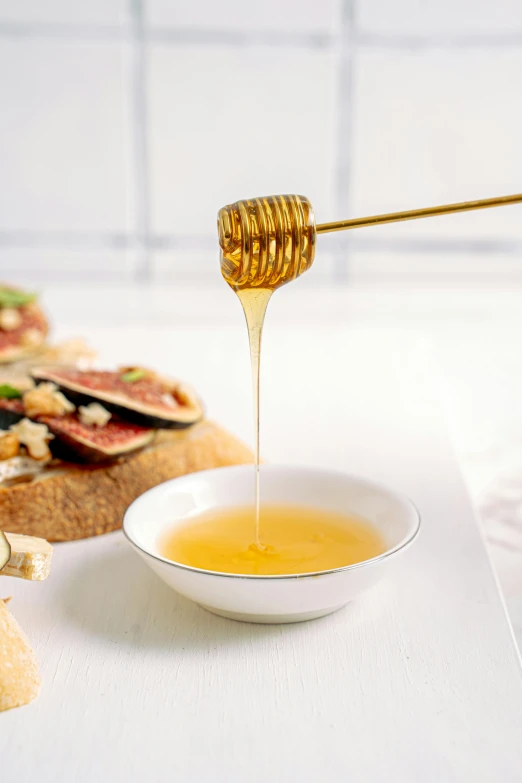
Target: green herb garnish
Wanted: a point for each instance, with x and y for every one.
(133, 375)
(9, 392)
(12, 298)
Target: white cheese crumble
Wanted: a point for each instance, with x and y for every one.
(46, 400)
(10, 318)
(34, 437)
(94, 415)
(169, 400)
(17, 467)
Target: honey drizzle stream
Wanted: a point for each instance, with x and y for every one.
(254, 302)
(265, 243)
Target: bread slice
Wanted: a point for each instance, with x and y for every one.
(72, 501)
(19, 677)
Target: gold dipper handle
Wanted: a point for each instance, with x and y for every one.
(413, 214)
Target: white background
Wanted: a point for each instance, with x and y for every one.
(126, 124)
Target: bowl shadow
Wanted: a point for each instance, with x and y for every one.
(117, 597)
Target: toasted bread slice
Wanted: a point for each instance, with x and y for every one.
(75, 501)
(19, 677)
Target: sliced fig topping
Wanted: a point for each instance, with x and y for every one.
(141, 397)
(11, 412)
(76, 441)
(23, 326)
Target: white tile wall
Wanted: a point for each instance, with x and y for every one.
(431, 127)
(65, 137)
(37, 266)
(432, 17)
(123, 131)
(221, 125)
(282, 15)
(64, 11)
(185, 266)
(447, 269)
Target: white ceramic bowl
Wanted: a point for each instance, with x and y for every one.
(270, 599)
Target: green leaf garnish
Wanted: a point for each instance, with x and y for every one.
(12, 298)
(9, 392)
(133, 375)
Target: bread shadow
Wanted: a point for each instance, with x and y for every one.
(118, 598)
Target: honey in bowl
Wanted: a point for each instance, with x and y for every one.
(299, 540)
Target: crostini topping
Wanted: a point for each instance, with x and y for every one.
(31, 338)
(133, 375)
(12, 297)
(46, 400)
(10, 318)
(94, 415)
(9, 445)
(35, 437)
(18, 468)
(9, 392)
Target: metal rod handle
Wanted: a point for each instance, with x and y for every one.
(413, 214)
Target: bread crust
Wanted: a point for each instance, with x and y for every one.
(73, 501)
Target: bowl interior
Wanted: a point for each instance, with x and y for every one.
(176, 501)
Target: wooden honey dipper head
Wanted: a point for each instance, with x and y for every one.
(266, 242)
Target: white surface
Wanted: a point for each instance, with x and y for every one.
(264, 598)
(419, 680)
(471, 336)
(126, 125)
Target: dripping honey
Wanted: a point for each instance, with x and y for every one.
(265, 243)
(297, 540)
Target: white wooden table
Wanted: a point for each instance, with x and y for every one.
(417, 681)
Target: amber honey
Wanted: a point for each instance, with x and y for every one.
(295, 540)
(265, 243)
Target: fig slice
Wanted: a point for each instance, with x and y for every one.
(11, 412)
(77, 442)
(141, 397)
(25, 334)
(5, 550)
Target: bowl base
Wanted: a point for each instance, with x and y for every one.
(269, 619)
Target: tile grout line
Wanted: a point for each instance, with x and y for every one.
(138, 131)
(345, 106)
(99, 241)
(268, 37)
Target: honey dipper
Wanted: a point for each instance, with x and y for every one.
(266, 242)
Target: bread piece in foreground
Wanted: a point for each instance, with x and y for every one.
(77, 501)
(19, 676)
